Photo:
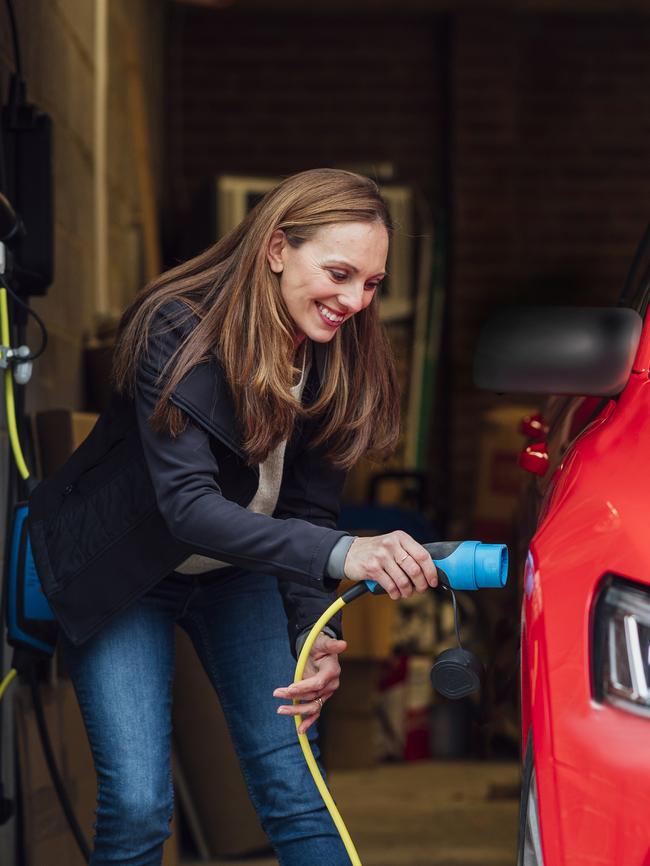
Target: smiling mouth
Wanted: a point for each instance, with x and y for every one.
(332, 319)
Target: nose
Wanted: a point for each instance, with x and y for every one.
(351, 298)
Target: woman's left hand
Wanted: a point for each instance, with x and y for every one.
(321, 679)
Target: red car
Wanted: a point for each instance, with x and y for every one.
(585, 625)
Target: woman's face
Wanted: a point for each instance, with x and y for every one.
(330, 277)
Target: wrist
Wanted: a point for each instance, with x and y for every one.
(304, 634)
(338, 556)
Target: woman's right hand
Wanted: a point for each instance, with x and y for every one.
(395, 560)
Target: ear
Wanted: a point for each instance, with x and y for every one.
(274, 253)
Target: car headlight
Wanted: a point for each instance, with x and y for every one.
(622, 647)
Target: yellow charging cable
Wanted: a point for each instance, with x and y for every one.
(12, 429)
(12, 426)
(304, 741)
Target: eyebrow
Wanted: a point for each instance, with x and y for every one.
(354, 269)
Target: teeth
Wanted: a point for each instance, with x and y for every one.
(329, 315)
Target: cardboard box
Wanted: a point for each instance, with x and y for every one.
(499, 479)
(204, 748)
(171, 852)
(59, 432)
(350, 742)
(358, 692)
(47, 838)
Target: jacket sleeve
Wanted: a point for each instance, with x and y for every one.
(185, 476)
(311, 487)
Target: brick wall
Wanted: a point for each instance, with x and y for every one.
(483, 233)
(280, 93)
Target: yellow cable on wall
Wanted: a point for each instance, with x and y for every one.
(4, 685)
(12, 426)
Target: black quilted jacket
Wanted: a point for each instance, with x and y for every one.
(131, 504)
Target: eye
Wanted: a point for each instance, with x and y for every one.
(372, 286)
(339, 276)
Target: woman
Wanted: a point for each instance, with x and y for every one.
(247, 381)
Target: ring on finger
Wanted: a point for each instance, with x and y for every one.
(400, 561)
(319, 701)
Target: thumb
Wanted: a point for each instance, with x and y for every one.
(332, 645)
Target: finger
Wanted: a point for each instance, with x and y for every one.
(329, 645)
(287, 691)
(311, 685)
(380, 576)
(315, 685)
(325, 638)
(423, 558)
(307, 722)
(305, 693)
(371, 566)
(282, 692)
(307, 701)
(306, 708)
(400, 579)
(384, 579)
(307, 704)
(413, 571)
(327, 690)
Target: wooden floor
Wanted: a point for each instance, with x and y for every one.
(426, 814)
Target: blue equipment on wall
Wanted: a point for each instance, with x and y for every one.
(30, 622)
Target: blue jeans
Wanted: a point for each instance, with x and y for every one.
(123, 680)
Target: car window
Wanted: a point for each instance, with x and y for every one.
(636, 291)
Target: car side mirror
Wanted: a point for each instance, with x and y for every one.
(557, 350)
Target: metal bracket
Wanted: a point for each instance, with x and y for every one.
(22, 368)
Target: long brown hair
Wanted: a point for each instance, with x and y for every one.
(244, 322)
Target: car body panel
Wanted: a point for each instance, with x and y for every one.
(592, 760)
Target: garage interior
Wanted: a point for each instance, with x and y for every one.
(511, 141)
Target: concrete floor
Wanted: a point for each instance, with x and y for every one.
(426, 814)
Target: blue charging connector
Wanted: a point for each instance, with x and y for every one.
(465, 565)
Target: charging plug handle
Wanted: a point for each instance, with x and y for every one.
(465, 565)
